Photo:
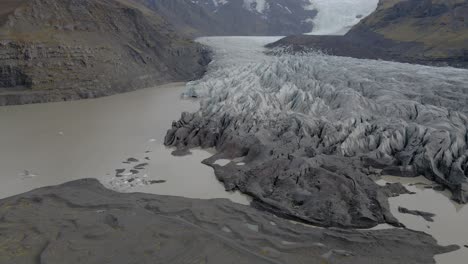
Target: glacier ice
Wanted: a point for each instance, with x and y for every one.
(315, 131)
(336, 17)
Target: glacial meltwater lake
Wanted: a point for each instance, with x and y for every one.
(49, 144)
(450, 217)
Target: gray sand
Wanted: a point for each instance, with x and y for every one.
(83, 222)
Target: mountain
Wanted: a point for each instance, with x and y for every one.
(418, 31)
(236, 17)
(52, 50)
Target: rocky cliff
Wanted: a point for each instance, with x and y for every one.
(54, 50)
(417, 31)
(237, 17)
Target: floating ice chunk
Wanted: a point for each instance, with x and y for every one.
(318, 244)
(226, 229)
(338, 252)
(252, 227)
(222, 162)
(381, 182)
(27, 174)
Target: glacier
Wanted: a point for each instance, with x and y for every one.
(315, 131)
(336, 17)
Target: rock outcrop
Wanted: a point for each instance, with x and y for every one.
(427, 216)
(433, 32)
(315, 131)
(54, 50)
(82, 222)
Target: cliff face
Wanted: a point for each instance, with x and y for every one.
(236, 17)
(420, 31)
(54, 50)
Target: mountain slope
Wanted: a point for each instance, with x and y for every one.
(54, 50)
(421, 31)
(236, 17)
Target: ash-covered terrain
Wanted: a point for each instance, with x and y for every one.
(83, 222)
(314, 132)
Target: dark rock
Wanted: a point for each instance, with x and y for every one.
(180, 152)
(427, 216)
(400, 171)
(112, 221)
(319, 194)
(13, 77)
(395, 189)
(130, 160)
(118, 172)
(140, 166)
(439, 188)
(156, 181)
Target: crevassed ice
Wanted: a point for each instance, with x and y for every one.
(412, 113)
